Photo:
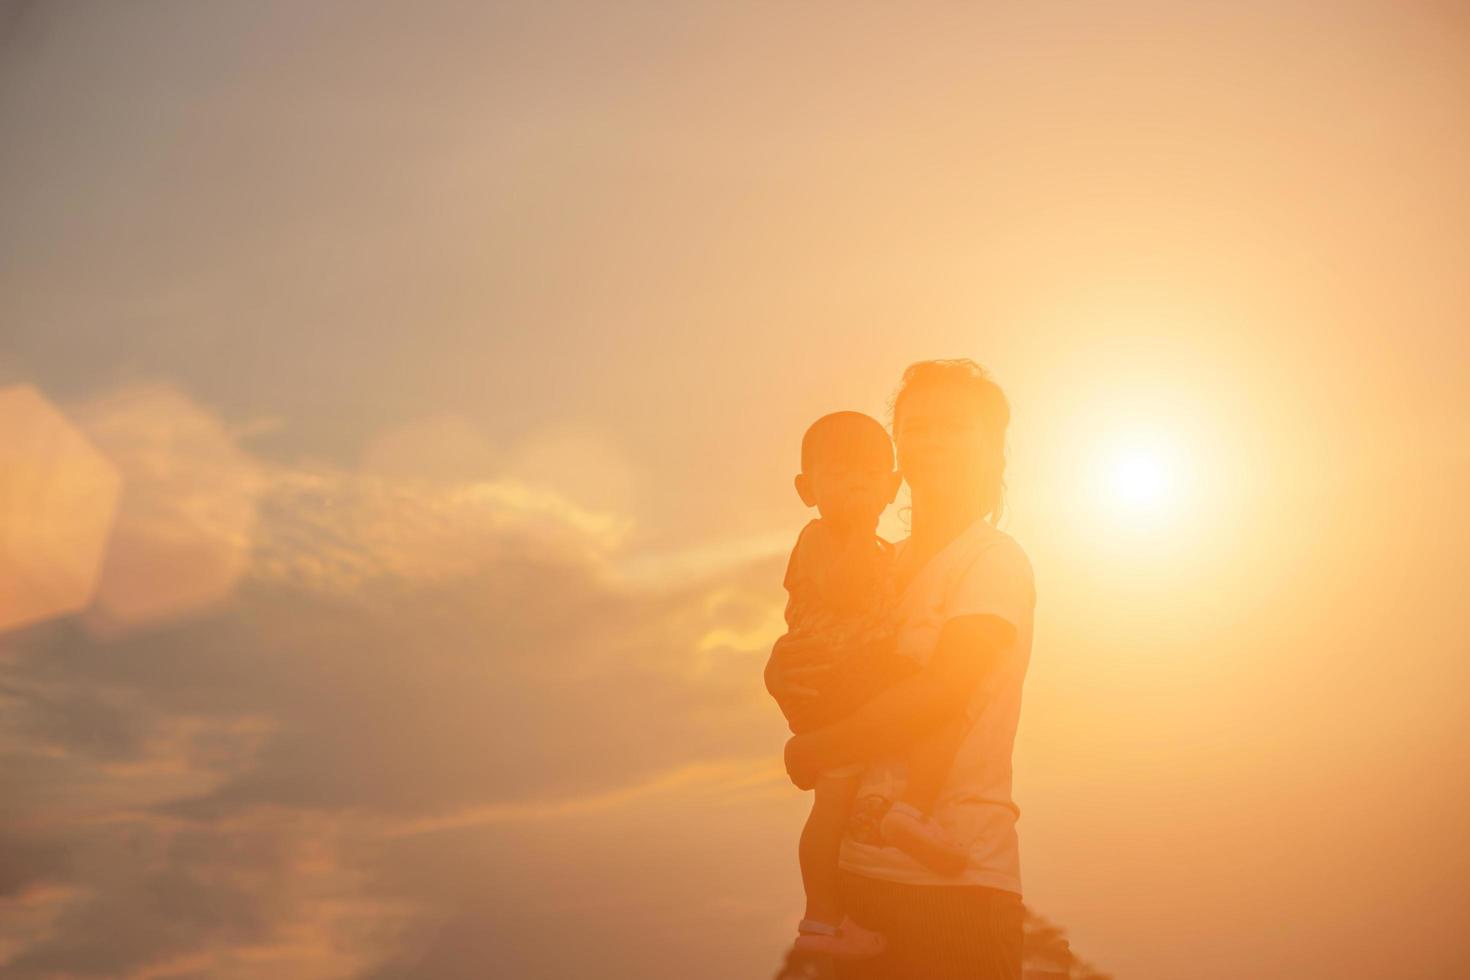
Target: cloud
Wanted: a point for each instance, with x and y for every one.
(383, 664)
(182, 538)
(694, 877)
(444, 448)
(259, 894)
(334, 532)
(729, 776)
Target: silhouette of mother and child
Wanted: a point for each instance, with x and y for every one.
(900, 675)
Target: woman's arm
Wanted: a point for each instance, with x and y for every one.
(794, 663)
(967, 652)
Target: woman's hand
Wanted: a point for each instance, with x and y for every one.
(801, 762)
(796, 662)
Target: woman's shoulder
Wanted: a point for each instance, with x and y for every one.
(1007, 544)
(999, 547)
(999, 578)
(993, 556)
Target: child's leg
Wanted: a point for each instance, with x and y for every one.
(908, 824)
(821, 839)
(825, 930)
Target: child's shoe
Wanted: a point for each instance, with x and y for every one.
(848, 941)
(923, 840)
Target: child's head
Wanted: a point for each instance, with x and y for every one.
(847, 470)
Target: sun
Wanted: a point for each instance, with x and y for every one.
(1155, 474)
(1147, 471)
(1141, 480)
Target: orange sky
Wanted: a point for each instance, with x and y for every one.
(453, 363)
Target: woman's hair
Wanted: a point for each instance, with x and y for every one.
(992, 411)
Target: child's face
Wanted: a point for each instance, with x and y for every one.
(849, 492)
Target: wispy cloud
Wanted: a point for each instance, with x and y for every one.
(366, 659)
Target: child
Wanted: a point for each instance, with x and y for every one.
(840, 586)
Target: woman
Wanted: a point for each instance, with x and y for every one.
(965, 614)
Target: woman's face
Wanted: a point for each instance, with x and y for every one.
(941, 442)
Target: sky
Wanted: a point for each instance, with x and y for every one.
(401, 405)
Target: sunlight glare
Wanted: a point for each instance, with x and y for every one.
(1141, 480)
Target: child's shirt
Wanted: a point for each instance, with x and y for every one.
(842, 594)
(840, 591)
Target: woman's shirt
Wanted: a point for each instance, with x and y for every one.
(983, 571)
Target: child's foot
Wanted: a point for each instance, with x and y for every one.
(921, 839)
(848, 941)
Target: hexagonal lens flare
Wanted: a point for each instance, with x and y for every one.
(58, 498)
